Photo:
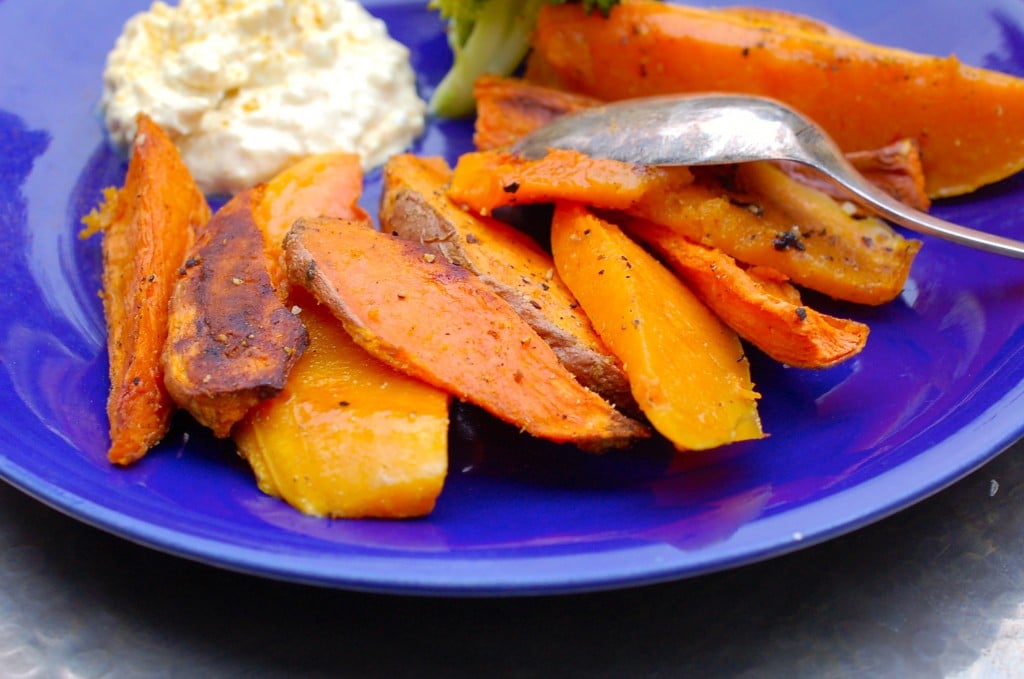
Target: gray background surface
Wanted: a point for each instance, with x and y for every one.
(934, 591)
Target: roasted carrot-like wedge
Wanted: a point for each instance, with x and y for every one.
(438, 322)
(322, 185)
(776, 221)
(969, 121)
(510, 108)
(348, 436)
(486, 180)
(507, 109)
(414, 206)
(148, 226)
(779, 325)
(687, 369)
(231, 340)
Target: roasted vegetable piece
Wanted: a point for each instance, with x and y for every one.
(148, 226)
(969, 121)
(486, 180)
(348, 436)
(510, 108)
(507, 109)
(231, 341)
(414, 206)
(327, 184)
(895, 168)
(438, 322)
(776, 221)
(778, 324)
(687, 369)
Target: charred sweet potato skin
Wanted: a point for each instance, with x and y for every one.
(436, 321)
(147, 231)
(231, 341)
(969, 121)
(414, 205)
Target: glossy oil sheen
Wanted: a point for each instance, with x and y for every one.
(938, 391)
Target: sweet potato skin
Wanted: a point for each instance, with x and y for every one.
(231, 341)
(969, 121)
(414, 205)
(688, 371)
(438, 322)
(775, 322)
(146, 232)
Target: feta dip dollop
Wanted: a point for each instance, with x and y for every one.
(247, 87)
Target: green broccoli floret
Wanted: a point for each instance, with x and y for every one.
(487, 36)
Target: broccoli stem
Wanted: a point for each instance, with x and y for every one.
(497, 43)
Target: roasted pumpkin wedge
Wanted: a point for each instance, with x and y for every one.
(147, 226)
(687, 369)
(348, 436)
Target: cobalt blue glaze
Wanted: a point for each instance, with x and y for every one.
(938, 391)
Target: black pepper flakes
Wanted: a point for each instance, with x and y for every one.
(801, 313)
(788, 240)
(511, 188)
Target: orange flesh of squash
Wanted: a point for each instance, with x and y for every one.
(781, 223)
(348, 436)
(968, 121)
(414, 206)
(486, 180)
(687, 369)
(436, 321)
(148, 226)
(782, 327)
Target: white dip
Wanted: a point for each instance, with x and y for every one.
(247, 87)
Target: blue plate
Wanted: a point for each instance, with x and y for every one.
(938, 391)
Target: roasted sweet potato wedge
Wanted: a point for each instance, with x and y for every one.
(322, 185)
(687, 369)
(486, 180)
(438, 322)
(414, 206)
(969, 121)
(773, 321)
(770, 219)
(510, 108)
(348, 436)
(231, 340)
(147, 226)
(507, 109)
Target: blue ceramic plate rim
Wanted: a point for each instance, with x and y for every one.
(974, 427)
